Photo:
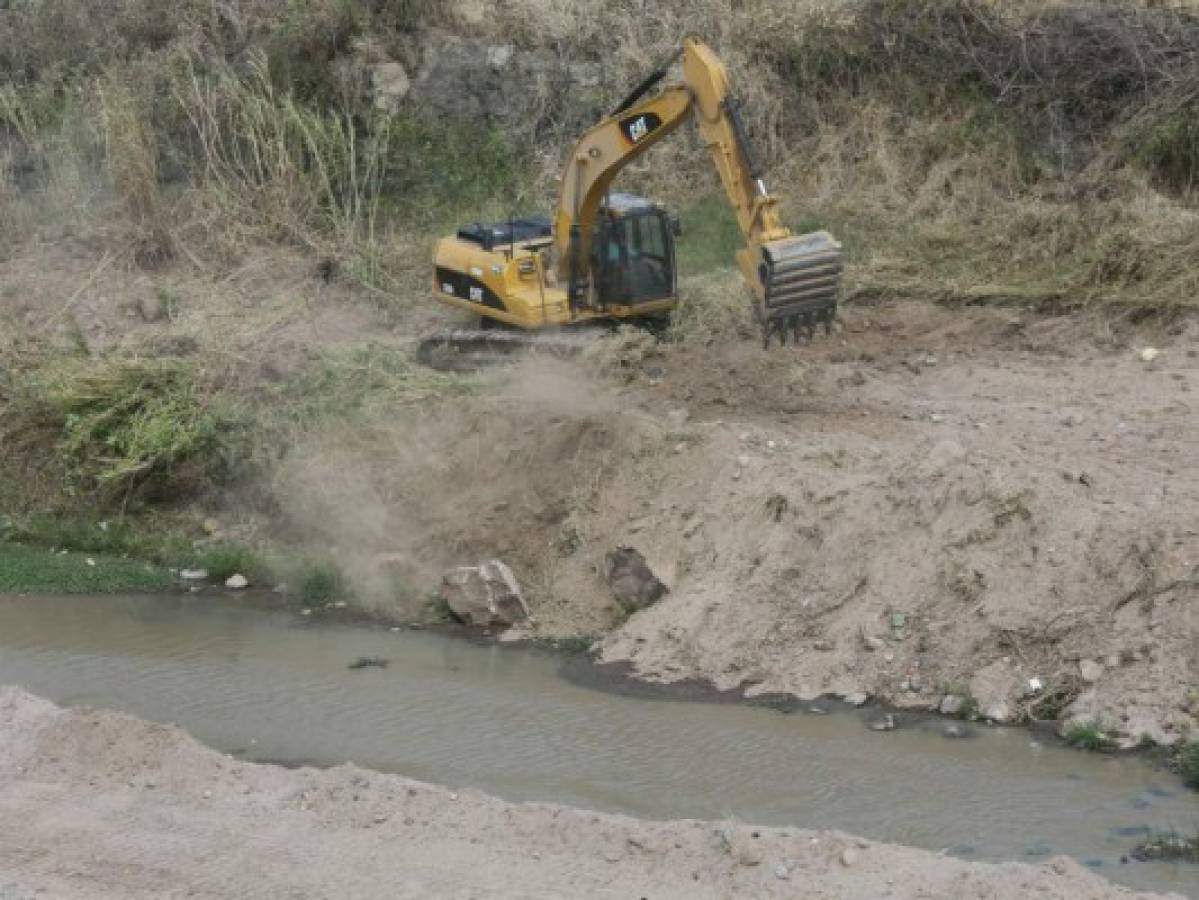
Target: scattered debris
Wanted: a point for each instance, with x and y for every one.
(237, 582)
(194, 574)
(369, 662)
(1171, 846)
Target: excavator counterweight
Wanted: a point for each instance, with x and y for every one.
(610, 256)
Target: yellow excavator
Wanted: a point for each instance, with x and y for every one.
(610, 256)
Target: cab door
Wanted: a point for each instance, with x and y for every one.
(633, 259)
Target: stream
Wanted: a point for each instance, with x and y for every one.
(265, 683)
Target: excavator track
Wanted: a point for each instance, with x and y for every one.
(466, 350)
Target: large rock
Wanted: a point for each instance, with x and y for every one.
(487, 596)
(633, 583)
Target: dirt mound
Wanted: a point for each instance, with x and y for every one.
(130, 809)
(930, 502)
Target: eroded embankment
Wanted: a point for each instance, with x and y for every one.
(932, 502)
(97, 804)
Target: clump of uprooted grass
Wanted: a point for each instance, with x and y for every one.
(364, 385)
(713, 307)
(123, 427)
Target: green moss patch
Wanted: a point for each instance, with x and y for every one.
(36, 570)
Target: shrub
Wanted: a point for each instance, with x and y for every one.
(1088, 735)
(226, 558)
(321, 582)
(1189, 765)
(123, 426)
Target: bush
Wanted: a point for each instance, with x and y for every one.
(123, 427)
(1189, 765)
(225, 559)
(321, 582)
(1088, 735)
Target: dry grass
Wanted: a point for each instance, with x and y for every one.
(962, 148)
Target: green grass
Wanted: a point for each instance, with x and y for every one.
(321, 582)
(1189, 765)
(36, 570)
(121, 427)
(149, 540)
(1089, 735)
(364, 381)
(710, 236)
(228, 558)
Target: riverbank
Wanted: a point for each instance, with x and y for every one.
(100, 805)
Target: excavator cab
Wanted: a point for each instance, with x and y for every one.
(632, 252)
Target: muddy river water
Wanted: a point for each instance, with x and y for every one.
(269, 684)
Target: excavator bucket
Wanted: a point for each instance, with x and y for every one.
(801, 278)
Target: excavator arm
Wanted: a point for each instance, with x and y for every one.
(794, 279)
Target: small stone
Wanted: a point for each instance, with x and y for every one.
(885, 722)
(998, 712)
(781, 873)
(453, 796)
(951, 705)
(873, 643)
(856, 698)
(1090, 670)
(888, 656)
(1034, 686)
(1149, 354)
(849, 856)
(91, 562)
(237, 582)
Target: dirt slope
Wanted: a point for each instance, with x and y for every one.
(97, 805)
(935, 500)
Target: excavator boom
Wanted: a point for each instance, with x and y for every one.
(794, 280)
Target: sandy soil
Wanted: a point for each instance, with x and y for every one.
(95, 804)
(936, 500)
(939, 498)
